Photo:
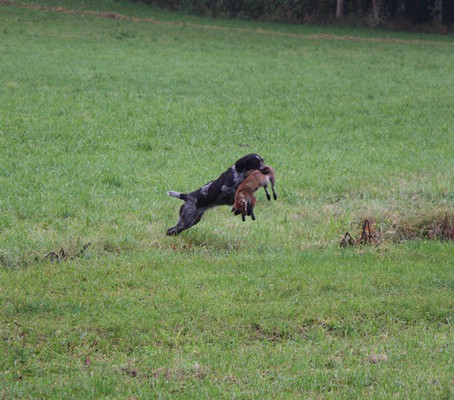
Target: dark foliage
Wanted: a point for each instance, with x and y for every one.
(436, 15)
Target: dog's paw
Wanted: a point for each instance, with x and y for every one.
(172, 231)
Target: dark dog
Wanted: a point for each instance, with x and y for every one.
(244, 196)
(215, 193)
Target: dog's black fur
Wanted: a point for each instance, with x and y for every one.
(215, 193)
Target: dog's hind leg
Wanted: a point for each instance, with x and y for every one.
(190, 215)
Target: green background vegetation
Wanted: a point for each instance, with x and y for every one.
(100, 117)
(437, 15)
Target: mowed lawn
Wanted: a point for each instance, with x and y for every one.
(101, 115)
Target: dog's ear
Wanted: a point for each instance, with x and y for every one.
(249, 162)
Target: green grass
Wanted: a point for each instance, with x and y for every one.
(100, 118)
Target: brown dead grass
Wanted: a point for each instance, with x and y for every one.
(434, 226)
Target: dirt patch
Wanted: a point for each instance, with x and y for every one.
(113, 15)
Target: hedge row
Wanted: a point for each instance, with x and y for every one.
(320, 11)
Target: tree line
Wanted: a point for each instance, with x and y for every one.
(437, 15)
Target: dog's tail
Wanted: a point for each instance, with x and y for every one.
(178, 195)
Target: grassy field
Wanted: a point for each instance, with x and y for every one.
(101, 116)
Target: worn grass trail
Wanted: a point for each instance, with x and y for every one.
(100, 117)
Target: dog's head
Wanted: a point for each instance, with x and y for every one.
(250, 162)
